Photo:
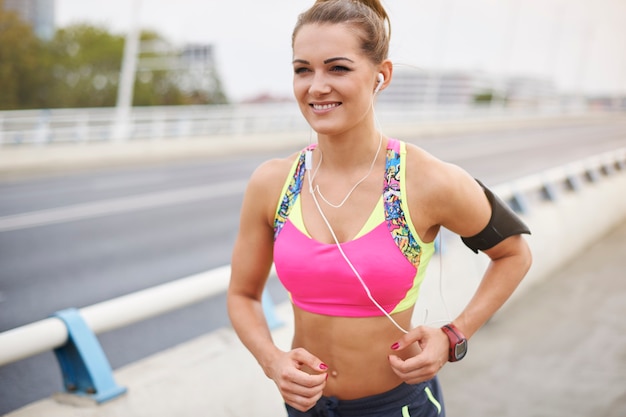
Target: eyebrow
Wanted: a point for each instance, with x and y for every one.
(327, 61)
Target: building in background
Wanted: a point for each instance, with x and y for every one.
(192, 66)
(420, 87)
(38, 13)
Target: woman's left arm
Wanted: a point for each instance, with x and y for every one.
(468, 211)
(457, 202)
(509, 263)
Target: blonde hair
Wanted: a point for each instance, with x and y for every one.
(369, 16)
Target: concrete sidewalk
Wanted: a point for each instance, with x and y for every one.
(557, 350)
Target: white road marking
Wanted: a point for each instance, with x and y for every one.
(119, 205)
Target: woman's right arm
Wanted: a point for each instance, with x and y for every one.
(250, 266)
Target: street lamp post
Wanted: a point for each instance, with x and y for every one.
(127, 76)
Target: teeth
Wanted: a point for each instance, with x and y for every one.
(324, 106)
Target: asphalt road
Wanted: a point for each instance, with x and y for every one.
(77, 239)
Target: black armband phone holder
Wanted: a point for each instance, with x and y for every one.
(502, 224)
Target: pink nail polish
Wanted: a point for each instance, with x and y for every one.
(323, 366)
(395, 346)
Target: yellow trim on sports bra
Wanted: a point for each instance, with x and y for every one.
(290, 175)
(376, 217)
(428, 249)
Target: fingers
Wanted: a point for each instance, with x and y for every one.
(416, 335)
(427, 363)
(416, 369)
(303, 393)
(305, 358)
(301, 379)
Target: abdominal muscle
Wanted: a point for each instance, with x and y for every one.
(356, 350)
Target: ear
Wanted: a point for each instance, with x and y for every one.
(380, 79)
(386, 69)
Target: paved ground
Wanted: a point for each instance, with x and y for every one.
(557, 351)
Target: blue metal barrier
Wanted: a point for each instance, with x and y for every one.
(270, 312)
(86, 370)
(518, 203)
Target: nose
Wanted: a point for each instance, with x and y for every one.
(319, 85)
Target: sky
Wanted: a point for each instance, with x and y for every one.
(578, 44)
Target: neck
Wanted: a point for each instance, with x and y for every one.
(349, 152)
(313, 189)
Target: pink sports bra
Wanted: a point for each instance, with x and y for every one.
(387, 252)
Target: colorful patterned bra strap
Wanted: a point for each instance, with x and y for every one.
(290, 196)
(394, 214)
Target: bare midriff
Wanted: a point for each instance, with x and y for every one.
(356, 350)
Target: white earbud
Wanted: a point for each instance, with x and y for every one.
(381, 80)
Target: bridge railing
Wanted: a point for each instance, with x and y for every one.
(50, 126)
(72, 333)
(101, 124)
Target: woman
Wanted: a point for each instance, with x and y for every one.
(349, 224)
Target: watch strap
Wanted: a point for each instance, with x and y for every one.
(458, 343)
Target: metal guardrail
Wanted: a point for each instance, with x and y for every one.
(50, 333)
(50, 126)
(71, 333)
(547, 185)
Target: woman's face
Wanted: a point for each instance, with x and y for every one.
(333, 80)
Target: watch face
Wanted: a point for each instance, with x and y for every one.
(460, 349)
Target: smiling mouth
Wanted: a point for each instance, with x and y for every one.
(324, 106)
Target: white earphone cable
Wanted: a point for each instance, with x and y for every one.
(312, 191)
(345, 257)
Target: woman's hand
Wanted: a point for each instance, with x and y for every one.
(434, 346)
(300, 377)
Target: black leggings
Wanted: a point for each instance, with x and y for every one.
(419, 400)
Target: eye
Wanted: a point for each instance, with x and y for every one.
(300, 70)
(340, 68)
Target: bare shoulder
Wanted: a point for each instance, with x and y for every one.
(444, 193)
(272, 172)
(252, 254)
(431, 176)
(266, 183)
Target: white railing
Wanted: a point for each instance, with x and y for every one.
(101, 124)
(51, 126)
(51, 333)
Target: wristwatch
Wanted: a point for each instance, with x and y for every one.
(458, 342)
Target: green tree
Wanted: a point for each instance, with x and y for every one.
(22, 62)
(85, 67)
(155, 86)
(80, 67)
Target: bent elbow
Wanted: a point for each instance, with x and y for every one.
(526, 256)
